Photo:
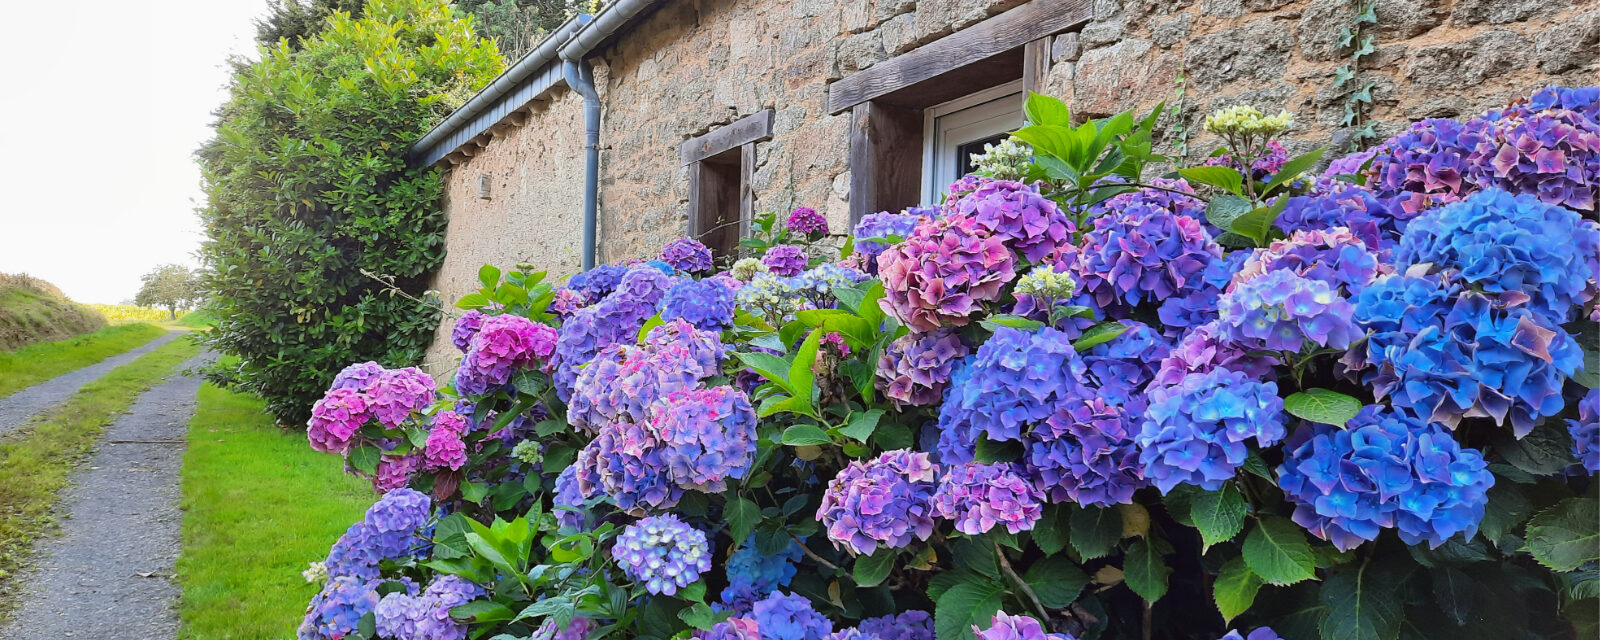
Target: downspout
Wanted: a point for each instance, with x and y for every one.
(580, 77)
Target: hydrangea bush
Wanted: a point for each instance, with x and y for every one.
(1238, 401)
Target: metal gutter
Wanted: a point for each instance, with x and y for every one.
(612, 18)
(424, 149)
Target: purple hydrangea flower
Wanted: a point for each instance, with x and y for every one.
(336, 418)
(706, 304)
(786, 259)
(916, 367)
(357, 376)
(1164, 198)
(1585, 431)
(597, 283)
(504, 345)
(943, 273)
(663, 553)
(1120, 367)
(1085, 452)
(466, 327)
(568, 494)
(1551, 154)
(1261, 633)
(1443, 354)
(707, 436)
(1199, 305)
(908, 625)
(1334, 256)
(393, 528)
(1195, 432)
(624, 463)
(753, 574)
(806, 222)
(1025, 221)
(977, 497)
(1425, 165)
(731, 629)
(1009, 627)
(336, 611)
(1205, 348)
(1506, 245)
(394, 471)
(1350, 164)
(1384, 470)
(566, 302)
(687, 255)
(1377, 221)
(784, 616)
(873, 230)
(577, 629)
(884, 501)
(623, 381)
(1016, 382)
(614, 320)
(406, 616)
(444, 448)
(1142, 254)
(398, 393)
(1282, 311)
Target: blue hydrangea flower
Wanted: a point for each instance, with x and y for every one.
(707, 436)
(1120, 368)
(818, 283)
(336, 611)
(884, 501)
(874, 230)
(1143, 253)
(1085, 452)
(568, 494)
(706, 304)
(1177, 204)
(614, 320)
(1384, 470)
(1195, 431)
(394, 527)
(1334, 256)
(908, 625)
(1199, 306)
(597, 283)
(1015, 382)
(357, 377)
(662, 552)
(1261, 633)
(783, 616)
(1283, 311)
(624, 463)
(1514, 247)
(1585, 431)
(753, 574)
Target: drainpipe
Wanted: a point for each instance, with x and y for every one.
(580, 77)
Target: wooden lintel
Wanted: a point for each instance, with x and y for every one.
(992, 37)
(753, 128)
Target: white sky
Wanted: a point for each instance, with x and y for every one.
(103, 103)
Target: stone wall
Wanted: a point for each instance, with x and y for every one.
(1435, 58)
(534, 213)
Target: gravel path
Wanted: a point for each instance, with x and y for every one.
(109, 575)
(20, 407)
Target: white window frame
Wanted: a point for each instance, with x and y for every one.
(949, 125)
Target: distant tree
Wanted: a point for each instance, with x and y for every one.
(172, 286)
(295, 20)
(519, 25)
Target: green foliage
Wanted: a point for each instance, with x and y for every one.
(172, 286)
(34, 311)
(1356, 37)
(518, 25)
(1322, 405)
(293, 21)
(310, 199)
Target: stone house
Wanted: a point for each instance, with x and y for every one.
(656, 118)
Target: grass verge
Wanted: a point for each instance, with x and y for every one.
(36, 461)
(36, 363)
(259, 505)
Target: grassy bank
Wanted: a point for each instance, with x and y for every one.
(33, 311)
(36, 363)
(36, 461)
(259, 505)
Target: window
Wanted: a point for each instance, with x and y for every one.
(720, 163)
(955, 130)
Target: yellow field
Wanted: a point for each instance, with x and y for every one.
(123, 313)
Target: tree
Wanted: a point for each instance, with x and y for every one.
(295, 20)
(173, 286)
(310, 200)
(519, 25)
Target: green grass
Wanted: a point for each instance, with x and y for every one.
(199, 319)
(37, 460)
(36, 363)
(34, 311)
(259, 506)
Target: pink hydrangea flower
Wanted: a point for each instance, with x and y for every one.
(944, 273)
(336, 418)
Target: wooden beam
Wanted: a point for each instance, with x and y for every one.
(992, 37)
(747, 197)
(745, 130)
(1036, 65)
(885, 158)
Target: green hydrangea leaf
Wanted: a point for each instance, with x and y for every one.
(1235, 588)
(1219, 515)
(1144, 571)
(1322, 405)
(1277, 551)
(1566, 535)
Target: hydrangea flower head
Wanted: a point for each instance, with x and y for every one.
(731, 629)
(566, 302)
(1199, 306)
(1249, 121)
(597, 283)
(394, 471)
(707, 436)
(915, 368)
(336, 418)
(1208, 347)
(907, 625)
(1016, 381)
(786, 259)
(408, 616)
(753, 574)
(1426, 164)
(746, 269)
(336, 611)
(1119, 368)
(398, 393)
(874, 229)
(623, 381)
(806, 222)
(663, 553)
(1045, 282)
(772, 297)
(978, 497)
(624, 463)
(1195, 432)
(1334, 256)
(1085, 452)
(1551, 154)
(1008, 627)
(687, 255)
(1507, 246)
(818, 283)
(706, 304)
(444, 448)
(884, 501)
(393, 527)
(783, 616)
(1164, 197)
(1025, 221)
(943, 273)
(358, 376)
(614, 320)
(568, 494)
(1378, 221)
(1143, 254)
(1385, 470)
(1282, 311)
(504, 345)
(1261, 633)
(1585, 431)
(466, 327)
